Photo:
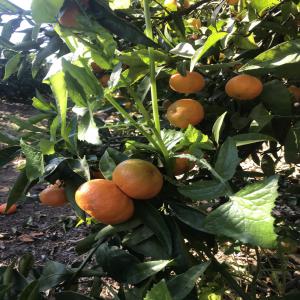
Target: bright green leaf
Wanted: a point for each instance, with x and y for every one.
(159, 291)
(45, 11)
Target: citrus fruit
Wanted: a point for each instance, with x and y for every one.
(193, 82)
(195, 23)
(53, 195)
(96, 68)
(244, 87)
(232, 2)
(182, 165)
(295, 91)
(69, 15)
(184, 112)
(104, 80)
(137, 178)
(104, 201)
(10, 211)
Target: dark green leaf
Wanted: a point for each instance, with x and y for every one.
(182, 284)
(292, 145)
(251, 138)
(203, 190)
(34, 161)
(12, 66)
(8, 154)
(227, 160)
(159, 291)
(70, 295)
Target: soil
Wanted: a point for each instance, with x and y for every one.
(46, 232)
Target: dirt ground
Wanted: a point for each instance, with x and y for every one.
(46, 232)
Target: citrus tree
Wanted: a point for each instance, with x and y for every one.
(156, 108)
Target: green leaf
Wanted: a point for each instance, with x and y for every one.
(116, 4)
(142, 271)
(261, 6)
(19, 188)
(53, 274)
(41, 104)
(247, 216)
(292, 145)
(282, 60)
(8, 154)
(45, 11)
(210, 42)
(189, 216)
(277, 98)
(34, 161)
(171, 137)
(109, 160)
(46, 147)
(182, 284)
(218, 126)
(251, 138)
(154, 220)
(31, 292)
(12, 66)
(159, 291)
(8, 139)
(228, 159)
(260, 116)
(203, 190)
(88, 130)
(59, 89)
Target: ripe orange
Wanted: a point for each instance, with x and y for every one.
(96, 68)
(137, 178)
(10, 211)
(244, 87)
(104, 80)
(295, 91)
(104, 201)
(182, 165)
(184, 112)
(69, 16)
(53, 195)
(193, 82)
(195, 23)
(232, 2)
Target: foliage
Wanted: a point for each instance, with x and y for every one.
(170, 242)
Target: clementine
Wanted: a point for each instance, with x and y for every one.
(53, 195)
(182, 165)
(10, 211)
(96, 68)
(244, 87)
(232, 2)
(184, 112)
(137, 178)
(104, 201)
(104, 80)
(193, 82)
(69, 15)
(295, 91)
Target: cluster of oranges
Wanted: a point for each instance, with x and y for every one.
(110, 201)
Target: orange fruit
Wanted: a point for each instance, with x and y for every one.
(195, 23)
(186, 4)
(104, 201)
(10, 211)
(232, 2)
(244, 87)
(96, 68)
(69, 15)
(137, 178)
(104, 80)
(193, 82)
(182, 165)
(184, 112)
(53, 195)
(295, 91)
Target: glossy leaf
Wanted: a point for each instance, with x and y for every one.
(182, 284)
(218, 126)
(251, 138)
(247, 216)
(203, 190)
(159, 291)
(12, 66)
(227, 160)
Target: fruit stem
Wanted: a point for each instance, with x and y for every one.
(149, 34)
